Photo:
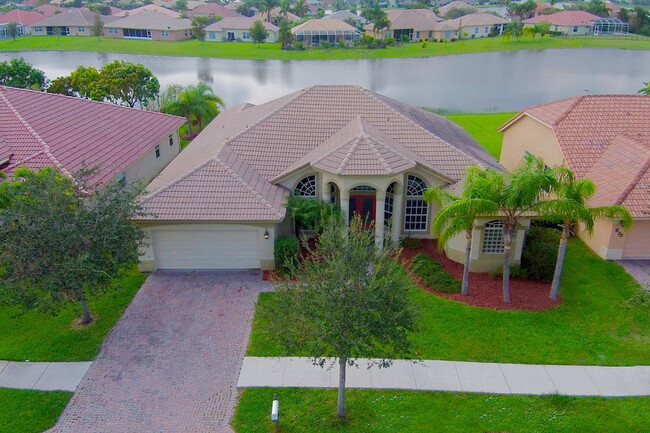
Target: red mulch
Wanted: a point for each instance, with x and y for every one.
(485, 291)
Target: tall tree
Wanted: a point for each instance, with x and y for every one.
(569, 207)
(285, 8)
(97, 28)
(63, 241)
(258, 33)
(129, 83)
(457, 215)
(266, 7)
(516, 194)
(180, 5)
(13, 30)
(346, 302)
(301, 8)
(285, 36)
(379, 19)
(197, 103)
(514, 30)
(199, 24)
(18, 73)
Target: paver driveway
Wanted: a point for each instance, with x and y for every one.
(171, 363)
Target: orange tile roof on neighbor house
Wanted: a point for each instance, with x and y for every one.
(26, 18)
(230, 172)
(39, 129)
(605, 138)
(565, 18)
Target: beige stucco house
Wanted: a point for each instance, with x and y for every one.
(219, 204)
(70, 22)
(150, 25)
(416, 24)
(238, 29)
(570, 23)
(605, 138)
(122, 144)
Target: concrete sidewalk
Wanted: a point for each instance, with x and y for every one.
(42, 376)
(452, 376)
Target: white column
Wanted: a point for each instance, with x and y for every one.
(398, 215)
(345, 204)
(380, 199)
(327, 192)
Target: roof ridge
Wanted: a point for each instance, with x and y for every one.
(355, 142)
(575, 103)
(249, 188)
(176, 180)
(634, 182)
(380, 156)
(46, 149)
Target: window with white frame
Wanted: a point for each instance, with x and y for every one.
(113, 31)
(164, 33)
(493, 237)
(388, 205)
(416, 212)
(306, 187)
(157, 150)
(244, 35)
(171, 139)
(81, 29)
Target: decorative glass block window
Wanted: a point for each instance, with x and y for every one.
(157, 150)
(388, 205)
(493, 237)
(363, 188)
(334, 190)
(417, 210)
(171, 139)
(306, 187)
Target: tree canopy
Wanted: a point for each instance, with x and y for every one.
(258, 32)
(198, 104)
(18, 73)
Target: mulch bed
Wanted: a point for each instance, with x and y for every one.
(485, 291)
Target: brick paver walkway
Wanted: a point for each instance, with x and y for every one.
(639, 269)
(172, 362)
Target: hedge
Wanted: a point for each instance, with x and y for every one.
(287, 253)
(433, 275)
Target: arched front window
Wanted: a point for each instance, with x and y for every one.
(306, 187)
(416, 214)
(493, 237)
(388, 205)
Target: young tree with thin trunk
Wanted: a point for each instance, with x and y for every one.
(12, 30)
(63, 241)
(457, 215)
(346, 302)
(258, 33)
(517, 194)
(97, 28)
(569, 208)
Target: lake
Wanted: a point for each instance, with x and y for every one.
(483, 82)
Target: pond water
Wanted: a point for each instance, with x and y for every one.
(483, 82)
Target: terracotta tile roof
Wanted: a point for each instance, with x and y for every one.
(565, 18)
(266, 141)
(238, 23)
(152, 8)
(476, 20)
(43, 129)
(26, 18)
(74, 17)
(322, 25)
(152, 21)
(49, 10)
(605, 138)
(416, 19)
(212, 9)
(454, 5)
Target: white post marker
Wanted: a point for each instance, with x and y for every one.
(275, 410)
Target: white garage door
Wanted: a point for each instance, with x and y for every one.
(209, 249)
(637, 241)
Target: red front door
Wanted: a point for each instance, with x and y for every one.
(364, 205)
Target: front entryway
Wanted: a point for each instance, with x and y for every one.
(363, 205)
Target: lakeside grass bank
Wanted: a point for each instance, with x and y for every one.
(229, 50)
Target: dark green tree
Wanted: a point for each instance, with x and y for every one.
(62, 240)
(346, 302)
(129, 83)
(196, 103)
(258, 33)
(18, 73)
(13, 30)
(285, 36)
(97, 28)
(199, 24)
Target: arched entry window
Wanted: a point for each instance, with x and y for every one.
(306, 187)
(388, 205)
(416, 212)
(493, 237)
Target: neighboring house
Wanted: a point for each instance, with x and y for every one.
(152, 8)
(346, 16)
(276, 14)
(76, 22)
(237, 28)
(453, 5)
(614, 9)
(41, 129)
(478, 25)
(49, 10)
(605, 138)
(24, 19)
(314, 32)
(541, 7)
(212, 9)
(220, 203)
(571, 23)
(150, 25)
(417, 24)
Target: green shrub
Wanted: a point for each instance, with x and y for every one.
(410, 243)
(390, 41)
(515, 271)
(405, 38)
(433, 275)
(298, 45)
(424, 43)
(325, 44)
(287, 253)
(540, 253)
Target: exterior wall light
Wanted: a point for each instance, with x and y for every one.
(266, 234)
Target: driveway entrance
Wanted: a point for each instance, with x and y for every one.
(172, 362)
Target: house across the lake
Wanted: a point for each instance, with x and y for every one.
(39, 129)
(237, 29)
(75, 22)
(314, 32)
(24, 19)
(605, 138)
(220, 203)
(153, 26)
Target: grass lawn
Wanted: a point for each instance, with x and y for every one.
(38, 336)
(376, 411)
(27, 411)
(194, 48)
(593, 325)
(483, 127)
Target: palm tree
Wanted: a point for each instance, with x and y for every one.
(267, 6)
(645, 90)
(516, 194)
(514, 30)
(457, 215)
(285, 8)
(569, 207)
(301, 8)
(195, 102)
